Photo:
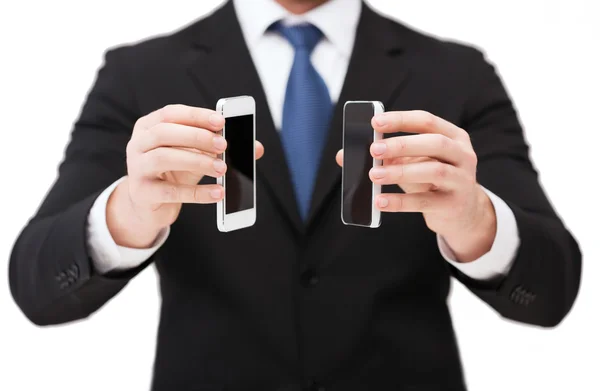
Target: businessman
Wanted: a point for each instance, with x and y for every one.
(298, 301)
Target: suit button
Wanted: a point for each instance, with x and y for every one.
(309, 277)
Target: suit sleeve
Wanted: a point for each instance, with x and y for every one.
(544, 279)
(51, 273)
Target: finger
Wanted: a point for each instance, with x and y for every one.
(184, 115)
(162, 192)
(414, 202)
(339, 158)
(436, 146)
(176, 135)
(416, 122)
(160, 160)
(441, 175)
(260, 150)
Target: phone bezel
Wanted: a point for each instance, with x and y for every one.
(378, 108)
(234, 107)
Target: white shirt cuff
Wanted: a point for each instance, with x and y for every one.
(497, 262)
(106, 254)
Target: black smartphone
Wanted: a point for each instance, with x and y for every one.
(358, 191)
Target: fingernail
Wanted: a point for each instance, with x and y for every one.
(379, 148)
(380, 120)
(219, 165)
(215, 193)
(219, 143)
(216, 119)
(382, 202)
(378, 172)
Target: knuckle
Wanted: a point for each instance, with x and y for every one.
(130, 149)
(157, 159)
(203, 163)
(153, 136)
(472, 158)
(400, 120)
(463, 136)
(429, 120)
(167, 113)
(398, 143)
(195, 114)
(139, 123)
(443, 141)
(466, 136)
(170, 193)
(199, 136)
(441, 170)
(197, 194)
(392, 146)
(400, 171)
(397, 203)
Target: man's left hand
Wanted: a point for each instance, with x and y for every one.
(436, 167)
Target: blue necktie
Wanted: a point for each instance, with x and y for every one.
(306, 113)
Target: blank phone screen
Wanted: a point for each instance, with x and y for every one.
(239, 156)
(357, 189)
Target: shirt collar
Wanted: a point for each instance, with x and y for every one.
(337, 19)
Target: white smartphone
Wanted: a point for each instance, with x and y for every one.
(358, 191)
(238, 207)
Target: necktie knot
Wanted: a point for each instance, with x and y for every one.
(302, 36)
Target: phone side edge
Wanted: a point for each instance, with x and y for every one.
(378, 108)
(343, 144)
(221, 180)
(254, 206)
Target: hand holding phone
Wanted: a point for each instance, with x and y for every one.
(170, 151)
(358, 191)
(237, 209)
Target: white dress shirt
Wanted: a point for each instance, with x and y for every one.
(273, 57)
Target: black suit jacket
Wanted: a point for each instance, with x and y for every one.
(283, 305)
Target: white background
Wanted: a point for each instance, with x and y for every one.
(547, 53)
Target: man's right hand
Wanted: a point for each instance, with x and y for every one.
(170, 150)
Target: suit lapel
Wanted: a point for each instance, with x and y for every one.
(221, 66)
(376, 72)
